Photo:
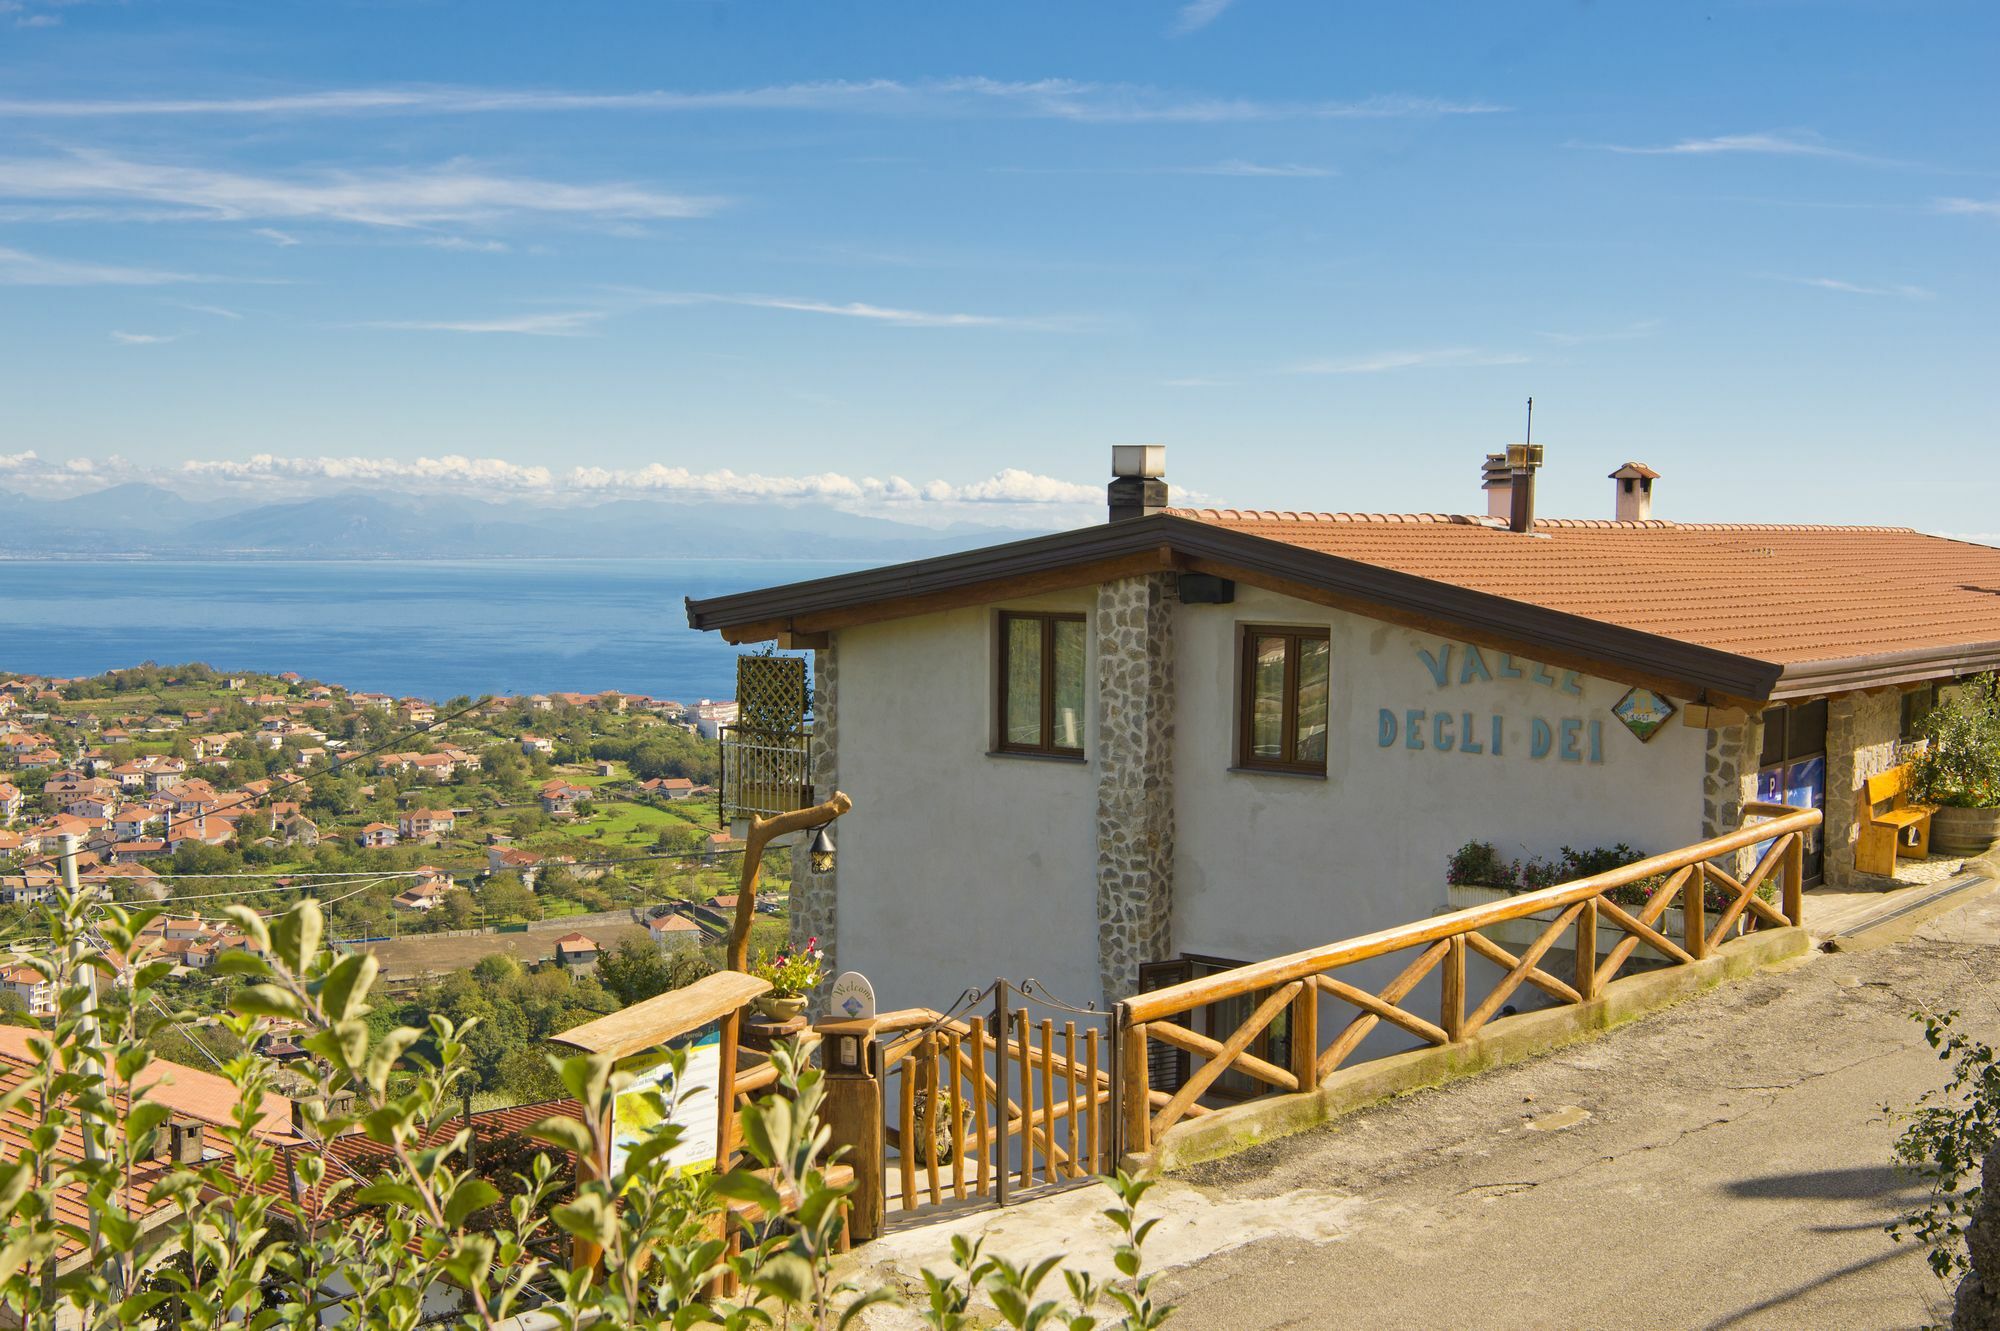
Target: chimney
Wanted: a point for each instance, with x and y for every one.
(1498, 485)
(1523, 460)
(1634, 493)
(1138, 488)
(184, 1141)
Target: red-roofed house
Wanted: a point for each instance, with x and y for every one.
(377, 836)
(425, 824)
(576, 951)
(1233, 733)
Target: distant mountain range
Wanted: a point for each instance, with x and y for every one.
(145, 520)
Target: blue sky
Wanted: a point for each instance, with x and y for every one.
(931, 260)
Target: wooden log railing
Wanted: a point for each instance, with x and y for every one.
(1296, 983)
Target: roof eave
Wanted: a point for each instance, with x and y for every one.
(1695, 670)
(1885, 669)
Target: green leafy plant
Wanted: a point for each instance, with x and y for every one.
(1945, 1136)
(1959, 763)
(1478, 864)
(383, 1208)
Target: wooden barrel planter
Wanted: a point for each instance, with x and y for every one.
(1964, 831)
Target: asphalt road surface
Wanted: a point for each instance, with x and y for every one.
(1722, 1164)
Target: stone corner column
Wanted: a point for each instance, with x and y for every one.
(1729, 781)
(815, 899)
(1863, 733)
(1135, 789)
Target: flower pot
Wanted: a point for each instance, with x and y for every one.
(781, 1007)
(1964, 831)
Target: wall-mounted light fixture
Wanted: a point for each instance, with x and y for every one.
(822, 851)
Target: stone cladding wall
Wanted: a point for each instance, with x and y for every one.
(1729, 781)
(1863, 733)
(1135, 792)
(815, 896)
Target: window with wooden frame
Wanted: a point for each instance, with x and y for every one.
(1285, 682)
(1039, 684)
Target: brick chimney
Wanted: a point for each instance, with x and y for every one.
(1634, 493)
(1139, 487)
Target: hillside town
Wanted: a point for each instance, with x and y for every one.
(436, 834)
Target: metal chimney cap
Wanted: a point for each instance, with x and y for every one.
(1146, 461)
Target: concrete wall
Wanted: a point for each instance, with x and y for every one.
(1269, 863)
(955, 866)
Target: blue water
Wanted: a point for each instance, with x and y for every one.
(430, 629)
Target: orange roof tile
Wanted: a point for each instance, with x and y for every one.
(1779, 593)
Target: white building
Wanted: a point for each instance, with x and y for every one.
(709, 716)
(1190, 739)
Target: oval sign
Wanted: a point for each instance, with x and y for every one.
(852, 998)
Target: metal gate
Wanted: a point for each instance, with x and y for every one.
(1010, 1094)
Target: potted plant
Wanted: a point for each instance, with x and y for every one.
(1958, 768)
(792, 977)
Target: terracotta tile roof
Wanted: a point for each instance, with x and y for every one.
(1778, 593)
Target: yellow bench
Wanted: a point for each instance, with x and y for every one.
(1891, 825)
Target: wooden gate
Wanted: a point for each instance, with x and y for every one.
(1008, 1095)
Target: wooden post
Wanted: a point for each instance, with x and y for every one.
(1694, 912)
(1135, 1088)
(1451, 1010)
(1586, 951)
(763, 831)
(853, 1116)
(1795, 880)
(1305, 1037)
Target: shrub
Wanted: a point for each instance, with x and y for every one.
(1478, 864)
(245, 1238)
(1959, 764)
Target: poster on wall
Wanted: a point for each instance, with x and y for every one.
(691, 1102)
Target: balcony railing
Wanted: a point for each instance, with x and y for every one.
(764, 773)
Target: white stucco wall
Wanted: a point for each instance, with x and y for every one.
(955, 866)
(1269, 864)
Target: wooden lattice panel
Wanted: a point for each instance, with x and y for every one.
(771, 694)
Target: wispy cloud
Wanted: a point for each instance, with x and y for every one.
(1629, 333)
(218, 311)
(407, 197)
(1197, 381)
(143, 339)
(467, 244)
(1906, 292)
(283, 239)
(1969, 207)
(1273, 170)
(884, 314)
(570, 323)
(1198, 14)
(21, 269)
(1385, 361)
(1768, 143)
(1065, 99)
(39, 21)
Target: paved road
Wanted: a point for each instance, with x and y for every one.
(1719, 1165)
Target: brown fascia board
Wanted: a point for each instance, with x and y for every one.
(1628, 651)
(1806, 679)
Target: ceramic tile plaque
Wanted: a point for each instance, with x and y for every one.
(1643, 712)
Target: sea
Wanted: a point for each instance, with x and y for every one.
(431, 629)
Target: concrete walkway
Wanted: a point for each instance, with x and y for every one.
(1723, 1164)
